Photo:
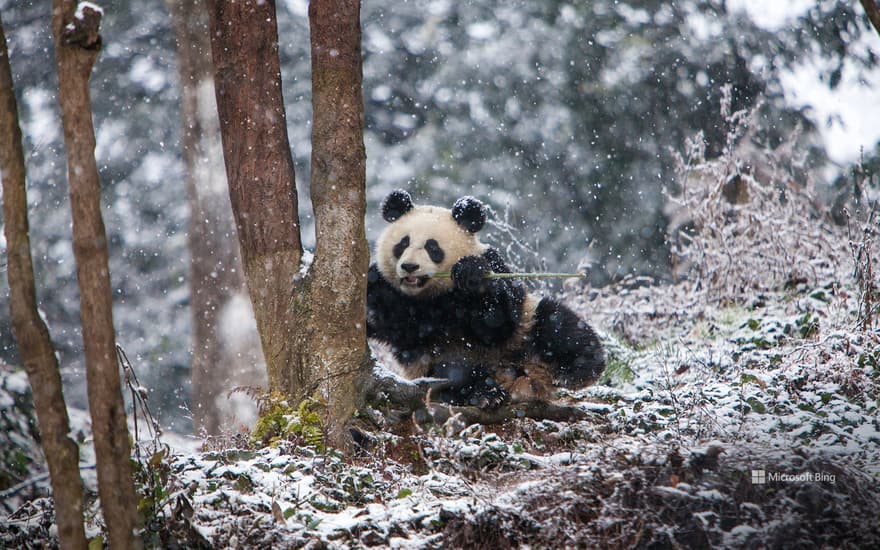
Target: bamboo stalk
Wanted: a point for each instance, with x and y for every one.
(491, 275)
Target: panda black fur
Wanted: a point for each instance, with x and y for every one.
(490, 339)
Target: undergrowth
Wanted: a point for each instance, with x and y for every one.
(745, 229)
(280, 421)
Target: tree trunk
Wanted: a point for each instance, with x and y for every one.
(77, 43)
(34, 346)
(311, 327)
(222, 359)
(873, 13)
(259, 165)
(342, 257)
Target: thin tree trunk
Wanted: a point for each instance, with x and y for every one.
(77, 43)
(339, 282)
(312, 328)
(34, 346)
(220, 361)
(259, 167)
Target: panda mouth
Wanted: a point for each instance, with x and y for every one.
(414, 281)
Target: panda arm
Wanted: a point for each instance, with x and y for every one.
(391, 318)
(468, 273)
(491, 308)
(380, 300)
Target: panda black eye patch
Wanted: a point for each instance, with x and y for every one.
(401, 246)
(434, 251)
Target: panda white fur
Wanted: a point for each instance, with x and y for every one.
(488, 338)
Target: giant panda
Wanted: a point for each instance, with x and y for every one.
(489, 341)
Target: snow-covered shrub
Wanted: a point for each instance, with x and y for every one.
(20, 455)
(750, 221)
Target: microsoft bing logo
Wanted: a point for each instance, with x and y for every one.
(762, 477)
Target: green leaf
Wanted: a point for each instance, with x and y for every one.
(756, 405)
(157, 458)
(244, 484)
(747, 378)
(807, 325)
(403, 493)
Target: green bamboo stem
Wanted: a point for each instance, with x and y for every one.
(446, 275)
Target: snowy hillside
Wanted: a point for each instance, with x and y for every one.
(671, 455)
(739, 409)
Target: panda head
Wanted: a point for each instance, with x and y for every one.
(423, 240)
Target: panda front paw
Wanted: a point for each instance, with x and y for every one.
(469, 273)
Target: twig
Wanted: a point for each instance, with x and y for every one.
(138, 400)
(536, 410)
(33, 481)
(446, 275)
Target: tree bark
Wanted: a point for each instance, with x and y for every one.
(312, 327)
(338, 192)
(77, 43)
(259, 166)
(220, 360)
(873, 12)
(31, 334)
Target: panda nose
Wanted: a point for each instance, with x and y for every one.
(408, 267)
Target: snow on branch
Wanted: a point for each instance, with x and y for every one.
(84, 29)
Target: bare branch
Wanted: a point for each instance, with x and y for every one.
(536, 410)
(408, 398)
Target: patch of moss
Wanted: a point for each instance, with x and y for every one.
(808, 325)
(731, 316)
(280, 421)
(617, 370)
(618, 364)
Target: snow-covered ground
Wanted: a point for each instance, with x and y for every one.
(735, 427)
(716, 425)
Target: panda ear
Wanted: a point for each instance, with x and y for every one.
(395, 205)
(469, 213)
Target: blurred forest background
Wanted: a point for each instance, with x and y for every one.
(563, 116)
